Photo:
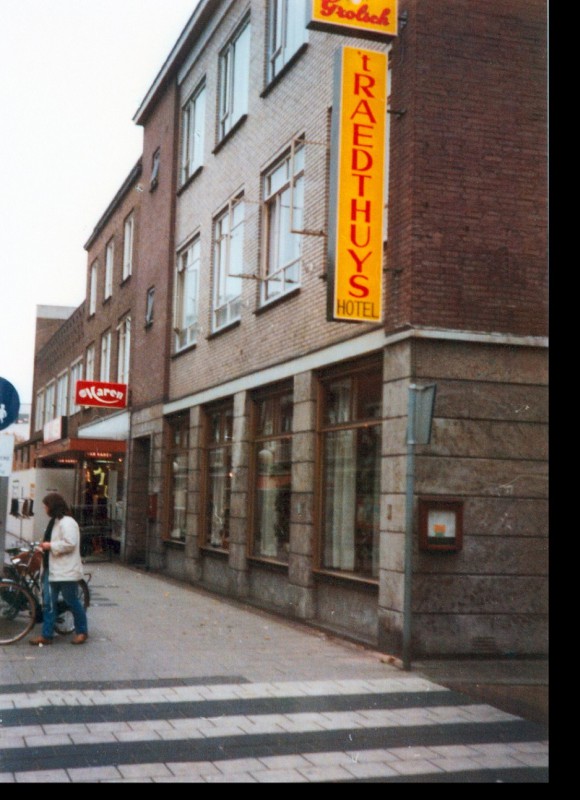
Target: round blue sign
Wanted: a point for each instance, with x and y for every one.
(9, 404)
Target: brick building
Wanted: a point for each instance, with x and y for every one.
(267, 453)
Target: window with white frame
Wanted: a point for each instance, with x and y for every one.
(128, 237)
(39, 411)
(109, 260)
(228, 263)
(49, 402)
(105, 373)
(93, 288)
(76, 374)
(186, 297)
(62, 395)
(234, 79)
(123, 350)
(90, 361)
(286, 32)
(284, 210)
(192, 133)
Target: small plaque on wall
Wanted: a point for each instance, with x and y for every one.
(440, 523)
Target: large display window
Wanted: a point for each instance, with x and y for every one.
(350, 456)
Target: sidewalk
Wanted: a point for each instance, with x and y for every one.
(169, 629)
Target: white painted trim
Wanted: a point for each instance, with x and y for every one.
(349, 349)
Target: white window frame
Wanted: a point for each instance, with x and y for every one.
(123, 350)
(128, 245)
(105, 371)
(228, 263)
(49, 401)
(186, 304)
(287, 32)
(283, 223)
(109, 263)
(39, 410)
(76, 374)
(93, 288)
(90, 363)
(61, 405)
(234, 83)
(193, 133)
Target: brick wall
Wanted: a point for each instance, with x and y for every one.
(468, 211)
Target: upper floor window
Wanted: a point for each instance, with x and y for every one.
(192, 134)
(286, 32)
(50, 402)
(93, 288)
(234, 80)
(76, 374)
(155, 164)
(90, 371)
(284, 210)
(62, 395)
(123, 350)
(228, 263)
(149, 306)
(109, 260)
(106, 356)
(128, 241)
(39, 411)
(186, 298)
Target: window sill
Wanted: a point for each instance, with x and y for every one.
(285, 69)
(214, 552)
(367, 584)
(176, 544)
(266, 563)
(276, 301)
(227, 136)
(190, 180)
(235, 324)
(183, 350)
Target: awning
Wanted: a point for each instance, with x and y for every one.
(81, 448)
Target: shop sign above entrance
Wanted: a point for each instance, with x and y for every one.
(103, 395)
(375, 19)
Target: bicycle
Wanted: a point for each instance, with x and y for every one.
(21, 610)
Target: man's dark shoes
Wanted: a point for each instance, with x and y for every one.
(39, 640)
(80, 638)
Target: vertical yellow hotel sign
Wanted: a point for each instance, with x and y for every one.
(368, 18)
(355, 231)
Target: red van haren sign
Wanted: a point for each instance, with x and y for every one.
(97, 393)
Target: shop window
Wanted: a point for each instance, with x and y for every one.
(272, 464)
(178, 461)
(218, 475)
(351, 466)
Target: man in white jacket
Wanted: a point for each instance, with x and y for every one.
(62, 570)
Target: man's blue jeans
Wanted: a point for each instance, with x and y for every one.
(70, 595)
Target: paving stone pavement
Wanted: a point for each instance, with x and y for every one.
(177, 685)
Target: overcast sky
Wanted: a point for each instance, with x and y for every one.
(72, 75)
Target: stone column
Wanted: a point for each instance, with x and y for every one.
(238, 561)
(301, 590)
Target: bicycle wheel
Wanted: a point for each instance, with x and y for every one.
(64, 622)
(17, 611)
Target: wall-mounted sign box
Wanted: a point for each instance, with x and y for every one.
(371, 19)
(440, 523)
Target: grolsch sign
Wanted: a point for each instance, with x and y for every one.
(367, 18)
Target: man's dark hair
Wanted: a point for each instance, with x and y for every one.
(56, 505)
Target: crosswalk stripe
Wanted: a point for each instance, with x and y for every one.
(341, 731)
